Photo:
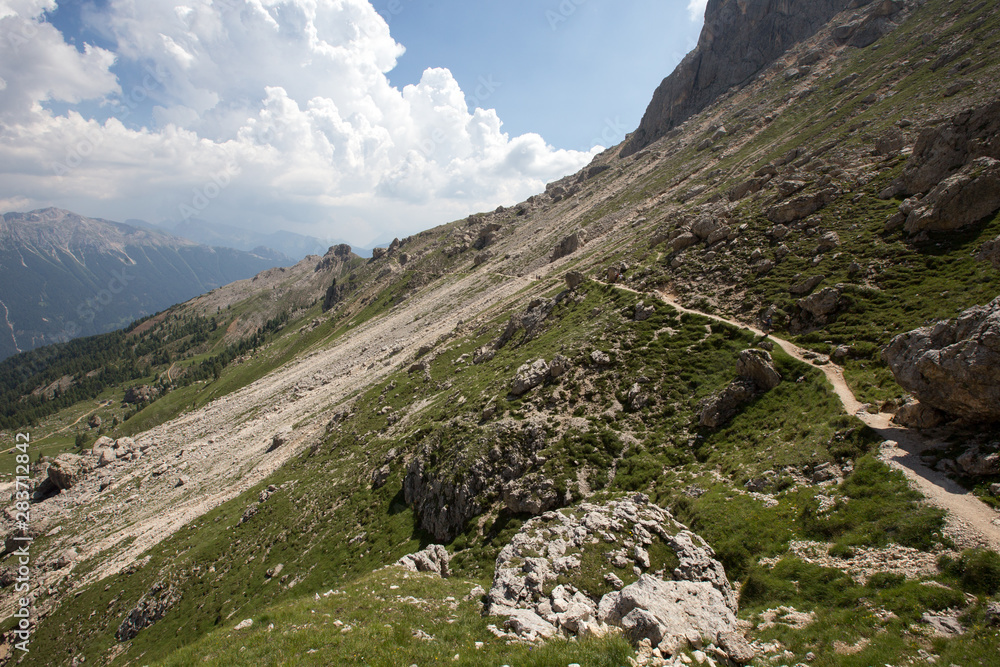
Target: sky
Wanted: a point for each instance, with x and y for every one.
(341, 119)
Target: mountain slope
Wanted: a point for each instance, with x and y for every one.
(65, 276)
(477, 376)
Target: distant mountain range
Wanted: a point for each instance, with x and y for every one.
(294, 246)
(63, 275)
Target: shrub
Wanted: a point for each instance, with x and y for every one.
(977, 570)
(883, 580)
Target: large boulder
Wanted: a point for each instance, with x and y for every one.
(757, 375)
(977, 463)
(915, 414)
(569, 245)
(280, 438)
(757, 365)
(559, 366)
(141, 394)
(67, 470)
(942, 150)
(102, 443)
(800, 207)
(722, 406)
(574, 279)
(529, 376)
(960, 200)
(954, 365)
(434, 558)
(683, 240)
(106, 457)
(705, 226)
(822, 304)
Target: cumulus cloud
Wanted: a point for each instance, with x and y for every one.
(36, 64)
(266, 112)
(696, 9)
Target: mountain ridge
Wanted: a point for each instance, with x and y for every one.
(740, 39)
(67, 275)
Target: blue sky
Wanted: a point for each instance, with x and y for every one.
(566, 75)
(336, 118)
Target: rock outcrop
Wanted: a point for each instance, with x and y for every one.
(529, 376)
(822, 304)
(757, 375)
(740, 39)
(434, 558)
(990, 252)
(67, 470)
(150, 608)
(944, 149)
(141, 394)
(954, 365)
(687, 600)
(447, 493)
(569, 245)
(960, 200)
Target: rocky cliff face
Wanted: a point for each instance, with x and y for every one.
(739, 39)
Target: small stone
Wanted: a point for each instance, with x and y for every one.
(244, 624)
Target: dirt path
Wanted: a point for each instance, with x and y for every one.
(970, 521)
(76, 422)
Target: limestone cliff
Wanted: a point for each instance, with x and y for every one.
(740, 38)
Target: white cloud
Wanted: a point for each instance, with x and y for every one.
(36, 64)
(696, 9)
(277, 112)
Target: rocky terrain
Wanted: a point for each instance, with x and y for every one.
(724, 396)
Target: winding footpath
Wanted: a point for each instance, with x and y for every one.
(970, 521)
